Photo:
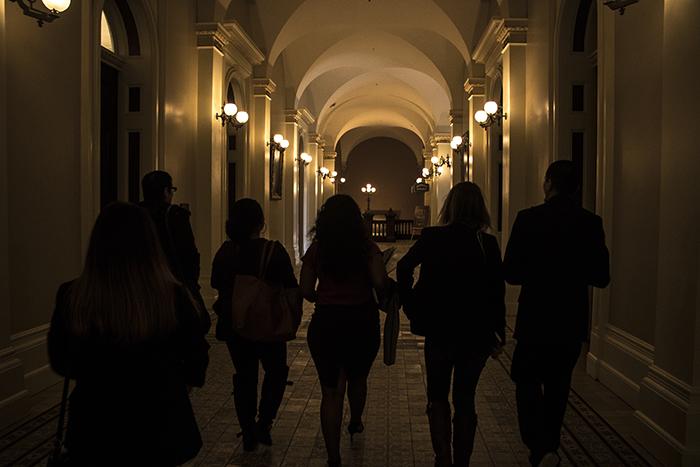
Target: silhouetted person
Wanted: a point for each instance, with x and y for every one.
(555, 251)
(128, 332)
(458, 305)
(242, 255)
(175, 232)
(341, 268)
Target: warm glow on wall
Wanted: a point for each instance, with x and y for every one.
(106, 39)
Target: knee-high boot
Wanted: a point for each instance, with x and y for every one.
(244, 400)
(440, 432)
(464, 429)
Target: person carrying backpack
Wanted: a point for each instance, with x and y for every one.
(247, 255)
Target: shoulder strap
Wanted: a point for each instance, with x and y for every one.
(479, 238)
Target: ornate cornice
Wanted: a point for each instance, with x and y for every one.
(475, 87)
(263, 87)
(212, 35)
(440, 138)
(456, 116)
(318, 139)
(330, 155)
(301, 117)
(499, 33)
(243, 43)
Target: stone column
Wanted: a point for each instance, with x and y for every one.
(208, 213)
(480, 167)
(329, 163)
(259, 136)
(428, 195)
(669, 396)
(313, 186)
(515, 149)
(443, 183)
(13, 393)
(459, 164)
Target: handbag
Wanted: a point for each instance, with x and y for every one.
(262, 311)
(59, 456)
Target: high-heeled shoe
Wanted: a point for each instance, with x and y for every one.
(355, 428)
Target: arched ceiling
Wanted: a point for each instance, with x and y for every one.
(371, 63)
(354, 137)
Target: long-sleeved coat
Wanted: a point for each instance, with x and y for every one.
(555, 251)
(460, 291)
(130, 404)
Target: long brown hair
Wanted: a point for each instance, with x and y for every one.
(465, 205)
(342, 237)
(126, 291)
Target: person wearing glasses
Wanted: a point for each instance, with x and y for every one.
(174, 231)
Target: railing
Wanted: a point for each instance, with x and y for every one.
(390, 229)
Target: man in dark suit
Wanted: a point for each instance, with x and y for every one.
(174, 231)
(555, 251)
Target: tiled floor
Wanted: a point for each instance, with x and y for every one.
(396, 431)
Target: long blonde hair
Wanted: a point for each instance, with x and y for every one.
(465, 205)
(126, 291)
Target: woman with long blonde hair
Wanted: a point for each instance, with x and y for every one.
(130, 335)
(458, 305)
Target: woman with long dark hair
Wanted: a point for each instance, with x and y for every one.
(242, 255)
(458, 305)
(131, 336)
(340, 270)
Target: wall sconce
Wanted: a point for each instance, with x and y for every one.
(231, 115)
(304, 158)
(278, 142)
(491, 114)
(54, 6)
(439, 163)
(325, 173)
(620, 5)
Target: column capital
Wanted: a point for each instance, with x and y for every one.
(500, 33)
(263, 87)
(212, 35)
(301, 117)
(456, 116)
(475, 87)
(440, 138)
(330, 155)
(427, 154)
(317, 138)
(512, 31)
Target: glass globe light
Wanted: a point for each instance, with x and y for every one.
(230, 109)
(453, 145)
(332, 179)
(305, 157)
(363, 189)
(324, 170)
(440, 170)
(481, 116)
(368, 186)
(419, 180)
(342, 179)
(277, 138)
(284, 144)
(491, 107)
(58, 6)
(425, 172)
(334, 174)
(373, 189)
(434, 160)
(457, 140)
(242, 117)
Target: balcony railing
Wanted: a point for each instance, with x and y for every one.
(389, 228)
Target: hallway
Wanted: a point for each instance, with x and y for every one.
(396, 434)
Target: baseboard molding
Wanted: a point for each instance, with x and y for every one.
(619, 360)
(668, 419)
(13, 394)
(30, 347)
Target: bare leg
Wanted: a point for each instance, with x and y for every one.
(332, 400)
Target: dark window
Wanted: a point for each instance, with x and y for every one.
(580, 26)
(231, 142)
(134, 150)
(577, 98)
(134, 99)
(577, 159)
(109, 165)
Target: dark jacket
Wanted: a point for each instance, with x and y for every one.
(460, 291)
(176, 239)
(245, 259)
(130, 404)
(555, 251)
